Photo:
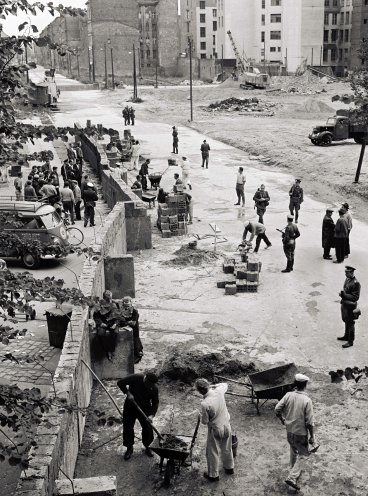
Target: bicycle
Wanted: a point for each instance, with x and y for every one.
(75, 235)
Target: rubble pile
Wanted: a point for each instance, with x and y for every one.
(242, 105)
(306, 84)
(187, 255)
(187, 367)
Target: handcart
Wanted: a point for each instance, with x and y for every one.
(270, 384)
(176, 455)
(155, 179)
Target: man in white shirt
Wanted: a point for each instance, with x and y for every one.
(295, 410)
(256, 229)
(214, 414)
(240, 181)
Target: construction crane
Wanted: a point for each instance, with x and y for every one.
(241, 62)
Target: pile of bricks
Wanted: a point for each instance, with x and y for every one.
(172, 215)
(246, 274)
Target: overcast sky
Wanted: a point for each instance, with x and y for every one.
(10, 25)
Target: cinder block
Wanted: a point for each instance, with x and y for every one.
(230, 289)
(241, 274)
(165, 219)
(252, 276)
(165, 226)
(166, 234)
(173, 219)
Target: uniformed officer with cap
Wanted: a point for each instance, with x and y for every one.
(295, 410)
(349, 299)
(328, 231)
(296, 199)
(288, 241)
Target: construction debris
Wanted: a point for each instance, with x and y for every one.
(246, 275)
(242, 105)
(191, 255)
(306, 84)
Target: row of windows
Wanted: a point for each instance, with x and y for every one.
(202, 17)
(274, 35)
(274, 3)
(203, 44)
(334, 18)
(335, 55)
(274, 49)
(337, 3)
(342, 35)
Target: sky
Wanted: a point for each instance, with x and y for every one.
(10, 25)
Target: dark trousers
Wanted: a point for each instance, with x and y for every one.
(260, 213)
(240, 193)
(132, 119)
(326, 251)
(347, 246)
(77, 210)
(175, 148)
(130, 415)
(340, 249)
(289, 251)
(89, 215)
(69, 207)
(350, 331)
(294, 205)
(144, 183)
(205, 159)
(259, 239)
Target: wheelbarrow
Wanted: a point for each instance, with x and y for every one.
(269, 384)
(176, 449)
(149, 198)
(155, 179)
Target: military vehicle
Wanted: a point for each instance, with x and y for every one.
(338, 128)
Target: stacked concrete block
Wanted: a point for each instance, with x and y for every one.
(171, 216)
(246, 275)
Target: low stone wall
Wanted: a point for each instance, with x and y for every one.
(60, 434)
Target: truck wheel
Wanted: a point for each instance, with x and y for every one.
(30, 260)
(326, 140)
(359, 140)
(315, 142)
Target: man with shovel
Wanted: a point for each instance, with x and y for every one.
(141, 391)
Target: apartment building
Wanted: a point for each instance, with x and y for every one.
(337, 35)
(199, 22)
(359, 30)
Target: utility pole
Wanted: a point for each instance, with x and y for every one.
(78, 66)
(312, 58)
(112, 64)
(93, 65)
(105, 66)
(320, 57)
(359, 168)
(286, 61)
(222, 63)
(135, 91)
(26, 54)
(190, 77)
(156, 71)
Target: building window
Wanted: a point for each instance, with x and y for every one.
(334, 19)
(326, 19)
(272, 49)
(346, 35)
(275, 17)
(279, 49)
(188, 27)
(263, 36)
(340, 54)
(202, 32)
(341, 35)
(203, 45)
(325, 55)
(334, 3)
(334, 33)
(263, 19)
(213, 40)
(202, 5)
(365, 20)
(275, 35)
(366, 2)
(214, 52)
(325, 36)
(333, 54)
(214, 25)
(263, 4)
(203, 56)
(202, 17)
(275, 3)
(347, 18)
(327, 3)
(214, 12)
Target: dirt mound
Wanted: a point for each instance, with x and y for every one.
(192, 256)
(312, 106)
(187, 367)
(241, 105)
(306, 84)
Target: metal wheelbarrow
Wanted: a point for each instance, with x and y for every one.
(176, 449)
(155, 179)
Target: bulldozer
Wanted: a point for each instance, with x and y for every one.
(338, 128)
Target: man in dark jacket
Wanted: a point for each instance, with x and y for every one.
(141, 389)
(89, 196)
(349, 298)
(340, 235)
(296, 199)
(262, 200)
(328, 231)
(205, 150)
(288, 241)
(175, 138)
(132, 115)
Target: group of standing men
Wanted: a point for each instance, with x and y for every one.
(128, 115)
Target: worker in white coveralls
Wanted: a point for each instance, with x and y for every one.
(295, 410)
(214, 414)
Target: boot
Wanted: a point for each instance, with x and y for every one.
(291, 266)
(287, 267)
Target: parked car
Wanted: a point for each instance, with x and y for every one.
(26, 223)
(337, 128)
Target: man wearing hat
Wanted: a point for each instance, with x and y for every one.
(296, 199)
(328, 230)
(295, 410)
(349, 220)
(89, 197)
(175, 138)
(349, 299)
(288, 241)
(341, 233)
(205, 151)
(214, 414)
(256, 229)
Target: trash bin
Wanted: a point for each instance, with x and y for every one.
(57, 324)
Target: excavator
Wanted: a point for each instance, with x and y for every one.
(253, 78)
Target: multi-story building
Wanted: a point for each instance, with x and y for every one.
(337, 35)
(359, 31)
(284, 32)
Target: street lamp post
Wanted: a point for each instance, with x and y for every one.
(112, 64)
(190, 78)
(105, 66)
(135, 89)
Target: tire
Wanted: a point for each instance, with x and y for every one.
(169, 472)
(30, 260)
(326, 140)
(359, 140)
(315, 142)
(75, 236)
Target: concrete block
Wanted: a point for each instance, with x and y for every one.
(166, 234)
(119, 276)
(93, 486)
(121, 361)
(230, 289)
(165, 226)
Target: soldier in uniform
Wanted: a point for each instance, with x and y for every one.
(349, 298)
(262, 200)
(296, 199)
(288, 241)
(175, 138)
(328, 231)
(349, 220)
